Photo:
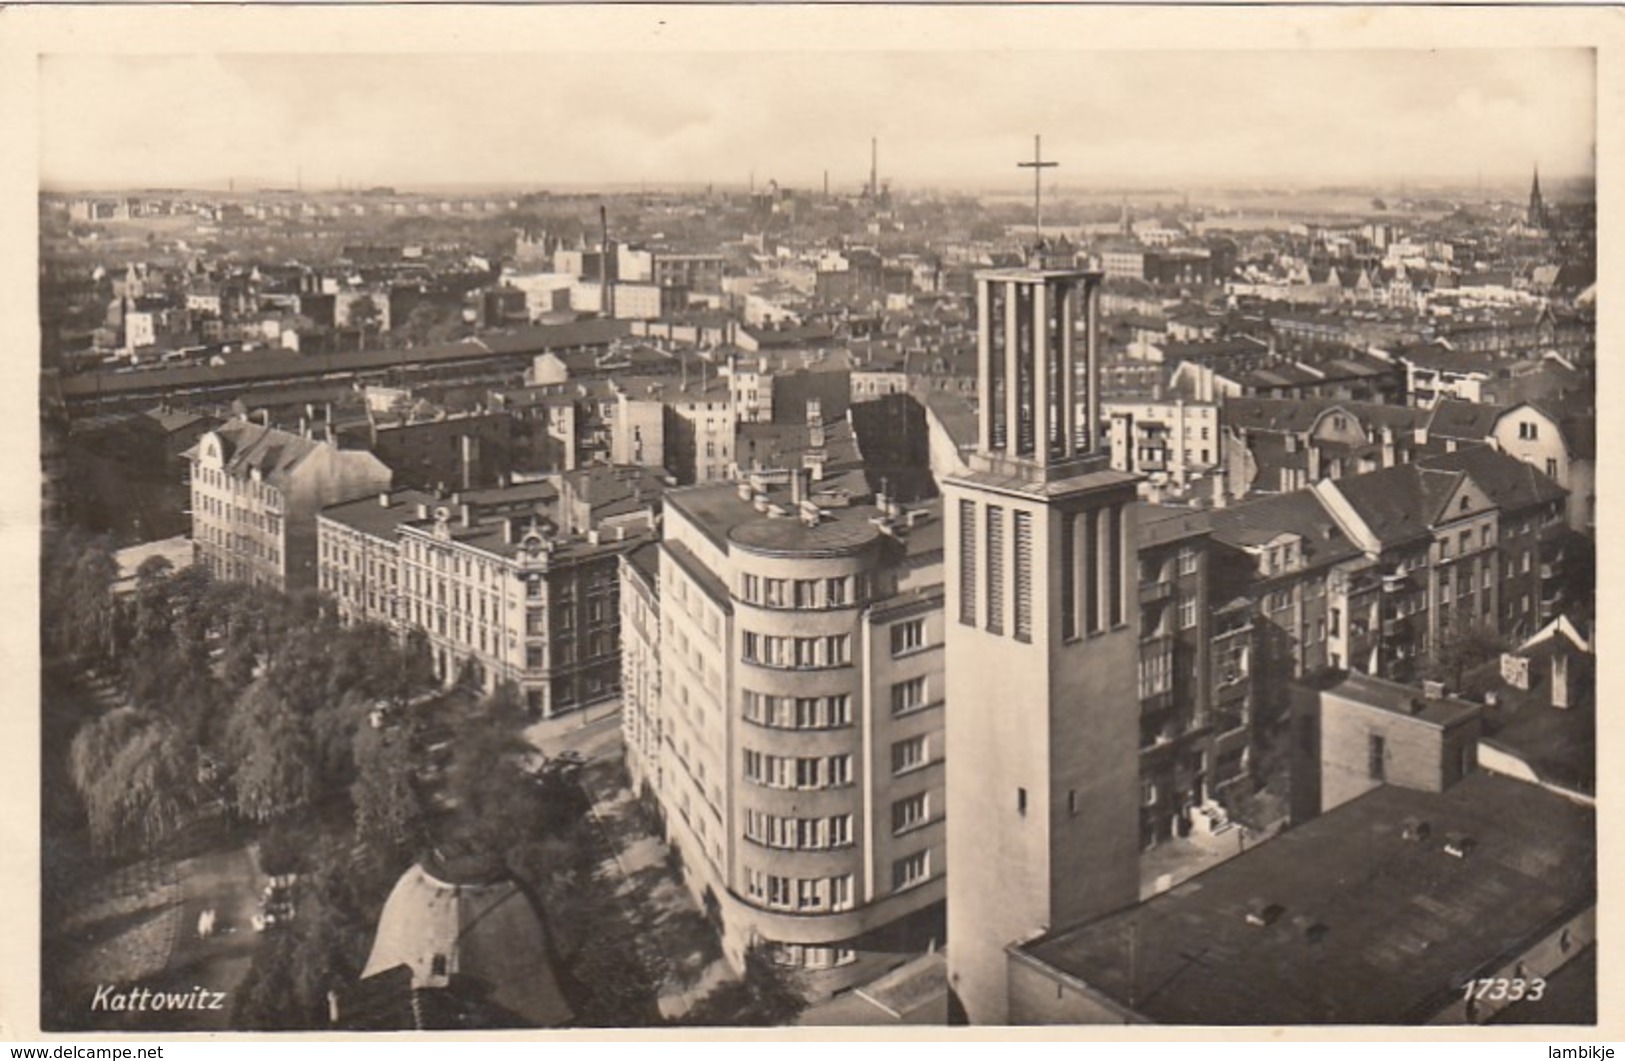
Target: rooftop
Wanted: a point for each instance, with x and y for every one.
(371, 516)
(1375, 928)
(485, 934)
(1161, 524)
(1399, 699)
(1263, 519)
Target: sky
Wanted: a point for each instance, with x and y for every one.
(943, 118)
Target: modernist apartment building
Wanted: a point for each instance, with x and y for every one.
(793, 734)
(497, 580)
(256, 492)
(1176, 439)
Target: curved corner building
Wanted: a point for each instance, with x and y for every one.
(795, 743)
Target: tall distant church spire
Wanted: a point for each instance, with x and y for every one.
(1537, 217)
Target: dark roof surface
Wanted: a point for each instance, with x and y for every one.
(1511, 484)
(1403, 923)
(370, 517)
(1463, 420)
(1400, 699)
(1300, 512)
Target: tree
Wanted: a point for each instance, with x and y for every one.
(77, 610)
(364, 314)
(767, 995)
(274, 771)
(1460, 652)
(389, 815)
(137, 777)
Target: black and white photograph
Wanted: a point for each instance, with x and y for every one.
(808, 518)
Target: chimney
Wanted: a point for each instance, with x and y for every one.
(508, 531)
(383, 499)
(465, 514)
(423, 510)
(1433, 690)
(798, 486)
(332, 1007)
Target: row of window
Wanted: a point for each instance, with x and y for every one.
(221, 538)
(792, 893)
(910, 813)
(798, 712)
(798, 834)
(219, 479)
(834, 650)
(804, 772)
(802, 593)
(239, 515)
(804, 956)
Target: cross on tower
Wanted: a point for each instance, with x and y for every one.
(1038, 166)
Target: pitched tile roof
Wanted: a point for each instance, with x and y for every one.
(1300, 512)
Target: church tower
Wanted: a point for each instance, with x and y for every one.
(1042, 639)
(1537, 217)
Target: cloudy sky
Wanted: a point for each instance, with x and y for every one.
(949, 118)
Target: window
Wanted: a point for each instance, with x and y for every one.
(840, 835)
(995, 569)
(1337, 622)
(752, 589)
(908, 636)
(1551, 467)
(806, 593)
(1528, 432)
(1118, 518)
(908, 696)
(840, 898)
(1376, 755)
(1021, 801)
(1024, 576)
(1187, 611)
(907, 872)
(835, 591)
(1187, 560)
(908, 755)
(967, 562)
(773, 595)
(1069, 589)
(910, 813)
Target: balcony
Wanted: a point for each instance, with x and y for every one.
(1154, 703)
(1156, 592)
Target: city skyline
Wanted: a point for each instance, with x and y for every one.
(321, 121)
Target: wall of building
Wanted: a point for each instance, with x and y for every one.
(1041, 995)
(1052, 805)
(1416, 753)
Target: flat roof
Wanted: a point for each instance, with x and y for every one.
(1404, 923)
(1406, 700)
(369, 516)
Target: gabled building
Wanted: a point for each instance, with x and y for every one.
(1562, 445)
(256, 493)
